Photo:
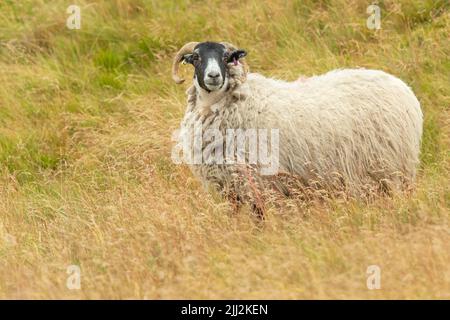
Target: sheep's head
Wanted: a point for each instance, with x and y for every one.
(210, 60)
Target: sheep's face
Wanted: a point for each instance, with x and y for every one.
(210, 60)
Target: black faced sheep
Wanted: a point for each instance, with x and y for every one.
(347, 129)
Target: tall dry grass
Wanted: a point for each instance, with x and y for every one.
(86, 178)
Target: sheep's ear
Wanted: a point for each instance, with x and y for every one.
(187, 58)
(236, 55)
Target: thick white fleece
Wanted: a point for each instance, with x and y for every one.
(348, 128)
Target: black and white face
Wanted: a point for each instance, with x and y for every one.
(210, 60)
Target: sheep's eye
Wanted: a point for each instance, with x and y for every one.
(195, 57)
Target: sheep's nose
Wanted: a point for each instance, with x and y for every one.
(213, 74)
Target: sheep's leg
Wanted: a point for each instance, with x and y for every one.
(236, 204)
(258, 211)
(235, 201)
(254, 186)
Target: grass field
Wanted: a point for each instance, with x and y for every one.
(86, 176)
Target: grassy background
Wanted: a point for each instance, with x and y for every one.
(86, 118)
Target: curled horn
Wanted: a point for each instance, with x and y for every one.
(187, 48)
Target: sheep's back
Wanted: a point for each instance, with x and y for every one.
(362, 125)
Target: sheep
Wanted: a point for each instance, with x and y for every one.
(348, 129)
